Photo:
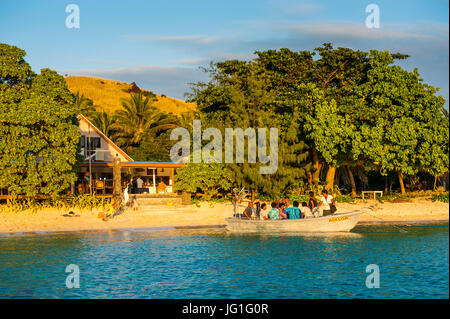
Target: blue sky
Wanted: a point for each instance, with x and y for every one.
(161, 44)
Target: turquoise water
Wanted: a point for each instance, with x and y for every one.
(215, 264)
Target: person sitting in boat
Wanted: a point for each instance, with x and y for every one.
(257, 210)
(274, 213)
(327, 201)
(248, 211)
(306, 211)
(282, 209)
(312, 203)
(286, 202)
(293, 212)
(263, 214)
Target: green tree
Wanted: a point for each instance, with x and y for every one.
(346, 107)
(407, 128)
(85, 105)
(154, 148)
(39, 128)
(209, 178)
(238, 96)
(137, 119)
(103, 122)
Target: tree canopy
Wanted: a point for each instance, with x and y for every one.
(333, 107)
(206, 177)
(38, 126)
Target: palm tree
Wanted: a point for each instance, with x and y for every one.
(103, 122)
(185, 119)
(84, 104)
(137, 119)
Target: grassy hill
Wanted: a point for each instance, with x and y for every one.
(107, 94)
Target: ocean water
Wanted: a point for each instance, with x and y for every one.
(215, 264)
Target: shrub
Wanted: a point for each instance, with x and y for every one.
(345, 199)
(440, 197)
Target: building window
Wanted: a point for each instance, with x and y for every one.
(95, 143)
(82, 141)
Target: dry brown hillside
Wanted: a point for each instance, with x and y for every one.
(107, 94)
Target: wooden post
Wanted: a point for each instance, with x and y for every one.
(90, 161)
(154, 181)
(117, 183)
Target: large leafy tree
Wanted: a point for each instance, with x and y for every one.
(154, 148)
(350, 108)
(38, 126)
(322, 84)
(238, 97)
(406, 126)
(209, 178)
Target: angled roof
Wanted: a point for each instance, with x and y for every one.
(81, 117)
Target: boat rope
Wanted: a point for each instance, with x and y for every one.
(395, 226)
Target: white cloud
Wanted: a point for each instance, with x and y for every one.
(302, 8)
(353, 30)
(426, 43)
(175, 39)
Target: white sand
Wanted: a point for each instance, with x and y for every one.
(205, 215)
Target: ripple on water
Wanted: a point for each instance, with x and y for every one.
(214, 264)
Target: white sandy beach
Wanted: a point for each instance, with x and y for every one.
(208, 214)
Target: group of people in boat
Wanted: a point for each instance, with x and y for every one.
(282, 209)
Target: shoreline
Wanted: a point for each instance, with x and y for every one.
(220, 226)
(206, 215)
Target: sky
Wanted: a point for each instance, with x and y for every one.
(161, 45)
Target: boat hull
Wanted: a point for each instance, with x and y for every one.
(332, 223)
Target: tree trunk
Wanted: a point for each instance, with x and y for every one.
(386, 184)
(330, 177)
(400, 179)
(435, 180)
(352, 180)
(390, 185)
(316, 167)
(310, 178)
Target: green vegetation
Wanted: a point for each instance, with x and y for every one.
(84, 104)
(38, 128)
(137, 120)
(342, 115)
(207, 178)
(337, 110)
(440, 197)
(82, 202)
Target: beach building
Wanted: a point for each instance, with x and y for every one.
(99, 152)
